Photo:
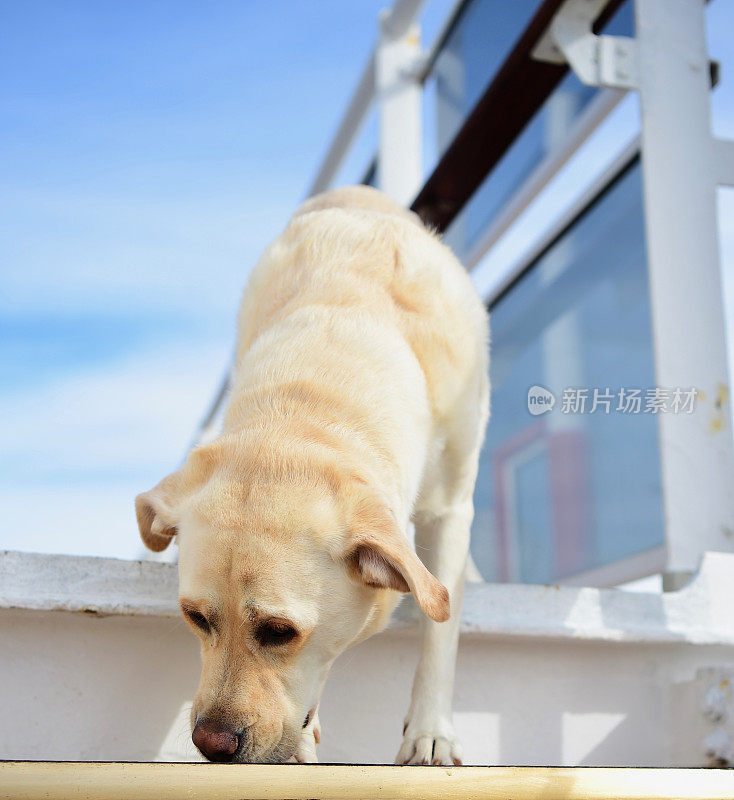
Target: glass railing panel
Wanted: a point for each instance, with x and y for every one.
(574, 488)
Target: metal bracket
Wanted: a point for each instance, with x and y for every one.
(702, 719)
(609, 61)
(717, 709)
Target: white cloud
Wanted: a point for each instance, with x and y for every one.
(123, 417)
(79, 449)
(110, 251)
(72, 520)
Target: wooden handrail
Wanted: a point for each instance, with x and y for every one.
(511, 99)
(32, 780)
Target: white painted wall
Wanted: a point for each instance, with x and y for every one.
(113, 686)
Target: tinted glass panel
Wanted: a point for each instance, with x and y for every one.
(560, 493)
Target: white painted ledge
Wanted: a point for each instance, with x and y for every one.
(699, 614)
(103, 586)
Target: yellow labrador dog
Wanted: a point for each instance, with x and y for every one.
(357, 411)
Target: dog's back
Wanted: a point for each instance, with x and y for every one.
(378, 291)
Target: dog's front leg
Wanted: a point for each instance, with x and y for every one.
(442, 542)
(310, 738)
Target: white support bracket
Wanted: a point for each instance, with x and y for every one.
(609, 61)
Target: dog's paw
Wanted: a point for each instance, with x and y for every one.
(310, 737)
(433, 742)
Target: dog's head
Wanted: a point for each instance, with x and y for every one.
(281, 567)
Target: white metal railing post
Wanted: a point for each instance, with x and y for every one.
(679, 181)
(398, 95)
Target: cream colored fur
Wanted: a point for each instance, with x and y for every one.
(358, 406)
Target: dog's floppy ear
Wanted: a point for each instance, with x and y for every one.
(156, 513)
(382, 557)
(158, 510)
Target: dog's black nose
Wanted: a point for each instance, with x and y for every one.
(215, 741)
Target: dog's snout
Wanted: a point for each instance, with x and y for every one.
(216, 742)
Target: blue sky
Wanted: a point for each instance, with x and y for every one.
(150, 151)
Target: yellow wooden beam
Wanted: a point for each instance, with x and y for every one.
(33, 780)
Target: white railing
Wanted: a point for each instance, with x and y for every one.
(396, 25)
(667, 64)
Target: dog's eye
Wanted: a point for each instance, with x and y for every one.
(198, 620)
(273, 634)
